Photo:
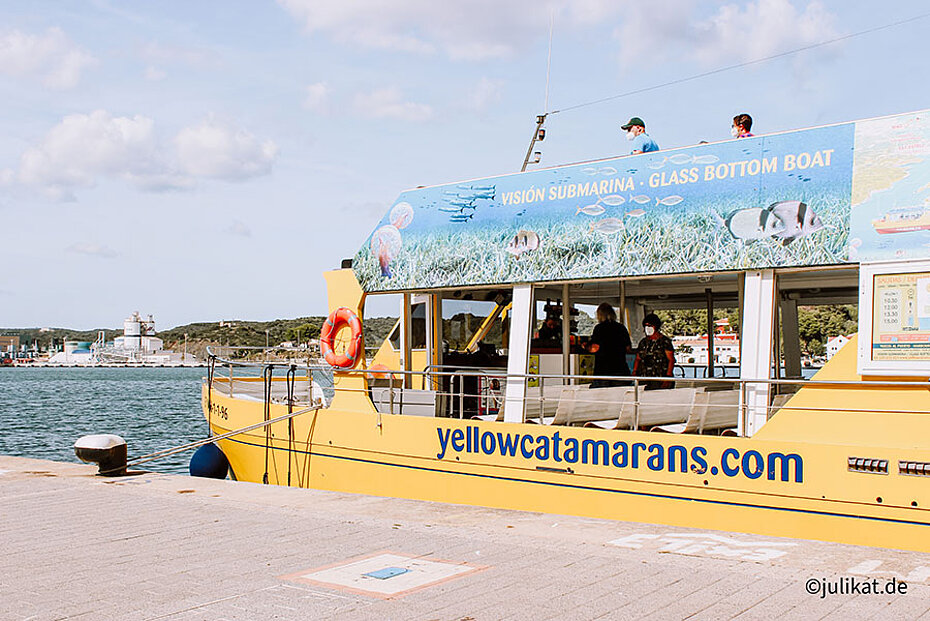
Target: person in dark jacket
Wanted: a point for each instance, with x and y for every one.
(610, 343)
(655, 356)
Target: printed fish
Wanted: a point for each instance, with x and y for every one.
(608, 226)
(679, 158)
(613, 200)
(636, 213)
(589, 171)
(753, 223)
(460, 202)
(705, 159)
(461, 217)
(659, 163)
(607, 171)
(642, 199)
(523, 241)
(452, 209)
(401, 215)
(591, 210)
(478, 191)
(798, 219)
(669, 201)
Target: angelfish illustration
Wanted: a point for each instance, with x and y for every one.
(753, 223)
(523, 241)
(798, 218)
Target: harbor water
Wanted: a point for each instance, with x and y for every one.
(44, 410)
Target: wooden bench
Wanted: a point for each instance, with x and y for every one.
(656, 407)
(712, 410)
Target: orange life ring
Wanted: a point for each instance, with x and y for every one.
(328, 336)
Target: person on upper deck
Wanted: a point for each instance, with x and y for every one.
(655, 356)
(610, 343)
(742, 123)
(636, 131)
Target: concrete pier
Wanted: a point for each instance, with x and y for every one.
(154, 546)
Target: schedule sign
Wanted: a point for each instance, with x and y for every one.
(901, 317)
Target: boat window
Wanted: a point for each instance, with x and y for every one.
(418, 326)
(462, 320)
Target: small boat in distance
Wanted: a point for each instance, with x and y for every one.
(903, 220)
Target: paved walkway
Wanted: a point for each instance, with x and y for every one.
(76, 546)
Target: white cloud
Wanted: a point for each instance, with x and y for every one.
(217, 151)
(733, 33)
(154, 74)
(92, 250)
(486, 93)
(52, 57)
(647, 32)
(84, 148)
(472, 30)
(316, 96)
(388, 103)
(159, 54)
(239, 228)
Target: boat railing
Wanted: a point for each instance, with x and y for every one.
(288, 375)
(693, 405)
(684, 405)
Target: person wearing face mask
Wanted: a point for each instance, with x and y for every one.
(742, 123)
(655, 356)
(636, 132)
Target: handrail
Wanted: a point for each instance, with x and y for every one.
(502, 371)
(451, 398)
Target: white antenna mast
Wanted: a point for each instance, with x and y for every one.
(539, 133)
(549, 59)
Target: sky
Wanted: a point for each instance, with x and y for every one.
(208, 160)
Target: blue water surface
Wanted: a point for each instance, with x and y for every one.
(44, 410)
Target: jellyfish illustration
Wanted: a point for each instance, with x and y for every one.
(401, 215)
(385, 244)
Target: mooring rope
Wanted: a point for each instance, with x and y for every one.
(142, 459)
(290, 379)
(267, 373)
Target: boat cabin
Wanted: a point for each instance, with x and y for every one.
(498, 279)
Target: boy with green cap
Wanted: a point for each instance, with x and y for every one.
(636, 131)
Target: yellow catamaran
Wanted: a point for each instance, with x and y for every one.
(461, 404)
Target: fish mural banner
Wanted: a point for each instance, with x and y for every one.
(829, 195)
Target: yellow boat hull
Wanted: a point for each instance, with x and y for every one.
(814, 497)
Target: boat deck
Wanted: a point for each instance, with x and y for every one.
(158, 546)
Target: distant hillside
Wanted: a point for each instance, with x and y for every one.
(202, 335)
(29, 336)
(253, 333)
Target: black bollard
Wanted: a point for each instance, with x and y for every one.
(106, 450)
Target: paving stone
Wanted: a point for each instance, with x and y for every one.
(78, 546)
